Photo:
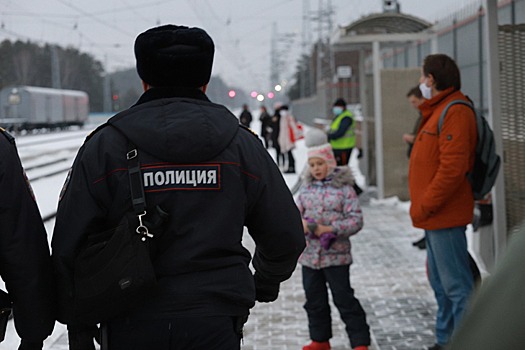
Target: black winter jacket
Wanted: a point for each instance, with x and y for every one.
(213, 177)
(25, 263)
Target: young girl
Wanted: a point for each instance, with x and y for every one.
(331, 214)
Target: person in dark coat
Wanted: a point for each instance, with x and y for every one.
(246, 117)
(276, 129)
(266, 126)
(25, 263)
(217, 179)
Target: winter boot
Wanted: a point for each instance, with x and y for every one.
(361, 347)
(315, 345)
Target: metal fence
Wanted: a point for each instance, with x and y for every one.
(511, 43)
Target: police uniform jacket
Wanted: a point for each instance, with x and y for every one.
(212, 177)
(25, 263)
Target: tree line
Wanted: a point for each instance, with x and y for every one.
(27, 63)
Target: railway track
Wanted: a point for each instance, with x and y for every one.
(36, 141)
(46, 159)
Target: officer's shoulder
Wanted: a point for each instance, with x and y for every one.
(95, 131)
(7, 135)
(253, 133)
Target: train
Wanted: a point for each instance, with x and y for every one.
(32, 107)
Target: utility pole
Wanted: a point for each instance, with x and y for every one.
(55, 68)
(331, 58)
(325, 61)
(106, 88)
(306, 45)
(274, 59)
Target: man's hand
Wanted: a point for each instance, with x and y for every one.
(265, 291)
(409, 138)
(82, 338)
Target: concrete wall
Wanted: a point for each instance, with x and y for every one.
(307, 109)
(317, 106)
(399, 117)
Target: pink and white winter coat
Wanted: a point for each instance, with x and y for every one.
(331, 201)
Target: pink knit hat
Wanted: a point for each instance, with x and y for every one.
(324, 152)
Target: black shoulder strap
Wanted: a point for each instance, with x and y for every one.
(136, 186)
(135, 175)
(135, 179)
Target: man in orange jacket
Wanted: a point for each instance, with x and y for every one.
(441, 196)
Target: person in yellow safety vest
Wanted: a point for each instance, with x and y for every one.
(342, 132)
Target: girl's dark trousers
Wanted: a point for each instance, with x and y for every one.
(318, 309)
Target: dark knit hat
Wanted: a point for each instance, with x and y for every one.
(172, 55)
(340, 102)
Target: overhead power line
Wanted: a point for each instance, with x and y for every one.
(96, 19)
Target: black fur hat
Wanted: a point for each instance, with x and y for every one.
(172, 55)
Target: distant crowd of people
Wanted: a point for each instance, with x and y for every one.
(279, 131)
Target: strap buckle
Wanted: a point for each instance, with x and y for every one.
(131, 154)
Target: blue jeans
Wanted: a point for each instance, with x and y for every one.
(318, 308)
(450, 277)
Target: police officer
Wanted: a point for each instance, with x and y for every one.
(342, 132)
(25, 263)
(211, 176)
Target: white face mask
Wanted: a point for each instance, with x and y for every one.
(336, 110)
(282, 113)
(425, 90)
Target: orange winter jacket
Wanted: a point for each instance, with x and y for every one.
(440, 193)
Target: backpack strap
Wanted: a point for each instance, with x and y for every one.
(450, 104)
(137, 189)
(135, 179)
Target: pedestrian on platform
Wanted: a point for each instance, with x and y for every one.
(415, 98)
(441, 195)
(246, 116)
(331, 214)
(25, 262)
(342, 134)
(287, 137)
(205, 287)
(266, 126)
(276, 131)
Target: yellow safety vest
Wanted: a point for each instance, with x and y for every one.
(348, 139)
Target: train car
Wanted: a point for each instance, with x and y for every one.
(31, 107)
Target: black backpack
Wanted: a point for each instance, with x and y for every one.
(486, 162)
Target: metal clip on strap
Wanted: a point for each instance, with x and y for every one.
(137, 190)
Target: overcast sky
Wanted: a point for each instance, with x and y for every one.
(241, 29)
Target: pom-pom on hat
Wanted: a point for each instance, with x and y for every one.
(318, 147)
(172, 55)
(315, 137)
